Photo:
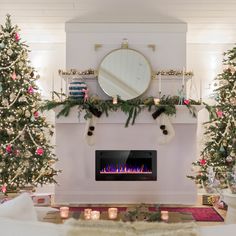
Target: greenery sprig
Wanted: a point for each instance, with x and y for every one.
(132, 108)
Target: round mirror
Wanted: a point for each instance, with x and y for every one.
(125, 73)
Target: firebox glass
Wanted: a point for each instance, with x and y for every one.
(125, 165)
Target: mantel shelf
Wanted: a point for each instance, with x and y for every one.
(183, 116)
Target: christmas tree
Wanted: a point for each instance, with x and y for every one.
(217, 165)
(26, 157)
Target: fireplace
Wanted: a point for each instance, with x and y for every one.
(126, 165)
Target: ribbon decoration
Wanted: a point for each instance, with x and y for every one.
(86, 95)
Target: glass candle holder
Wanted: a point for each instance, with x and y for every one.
(95, 215)
(156, 101)
(64, 212)
(87, 214)
(112, 213)
(164, 215)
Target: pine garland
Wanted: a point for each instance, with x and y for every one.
(132, 108)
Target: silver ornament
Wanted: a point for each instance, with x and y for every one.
(229, 159)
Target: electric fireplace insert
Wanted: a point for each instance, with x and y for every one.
(126, 165)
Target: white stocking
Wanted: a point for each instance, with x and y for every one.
(90, 130)
(164, 119)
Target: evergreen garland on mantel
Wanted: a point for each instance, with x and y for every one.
(95, 106)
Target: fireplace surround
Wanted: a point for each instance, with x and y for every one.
(126, 165)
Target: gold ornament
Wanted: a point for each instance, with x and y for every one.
(28, 154)
(21, 64)
(9, 131)
(5, 102)
(12, 97)
(9, 52)
(233, 101)
(11, 118)
(27, 113)
(22, 99)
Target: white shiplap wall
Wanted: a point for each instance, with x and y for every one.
(211, 29)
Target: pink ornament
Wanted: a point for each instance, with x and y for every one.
(86, 96)
(4, 188)
(36, 115)
(8, 148)
(203, 162)
(219, 113)
(39, 151)
(17, 152)
(13, 75)
(17, 37)
(186, 101)
(30, 90)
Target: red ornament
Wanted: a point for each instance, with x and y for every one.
(203, 162)
(36, 114)
(186, 101)
(8, 148)
(13, 75)
(219, 113)
(39, 151)
(4, 188)
(17, 37)
(30, 90)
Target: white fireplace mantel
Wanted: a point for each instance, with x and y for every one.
(183, 116)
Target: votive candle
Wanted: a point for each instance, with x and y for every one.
(95, 215)
(64, 212)
(87, 214)
(112, 213)
(164, 215)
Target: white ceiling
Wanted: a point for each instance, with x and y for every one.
(209, 21)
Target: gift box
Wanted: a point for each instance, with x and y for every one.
(210, 200)
(42, 199)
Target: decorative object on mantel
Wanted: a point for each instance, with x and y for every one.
(26, 155)
(78, 89)
(91, 73)
(219, 153)
(96, 106)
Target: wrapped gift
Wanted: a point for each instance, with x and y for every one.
(42, 199)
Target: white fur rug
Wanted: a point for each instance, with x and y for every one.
(114, 228)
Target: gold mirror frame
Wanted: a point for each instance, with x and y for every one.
(124, 72)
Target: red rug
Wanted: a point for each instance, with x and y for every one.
(199, 213)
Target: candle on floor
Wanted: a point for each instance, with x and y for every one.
(95, 215)
(64, 212)
(87, 214)
(112, 213)
(164, 215)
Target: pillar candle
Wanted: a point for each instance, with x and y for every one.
(95, 215)
(87, 214)
(164, 215)
(64, 212)
(112, 213)
(159, 84)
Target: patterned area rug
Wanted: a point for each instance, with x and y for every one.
(208, 214)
